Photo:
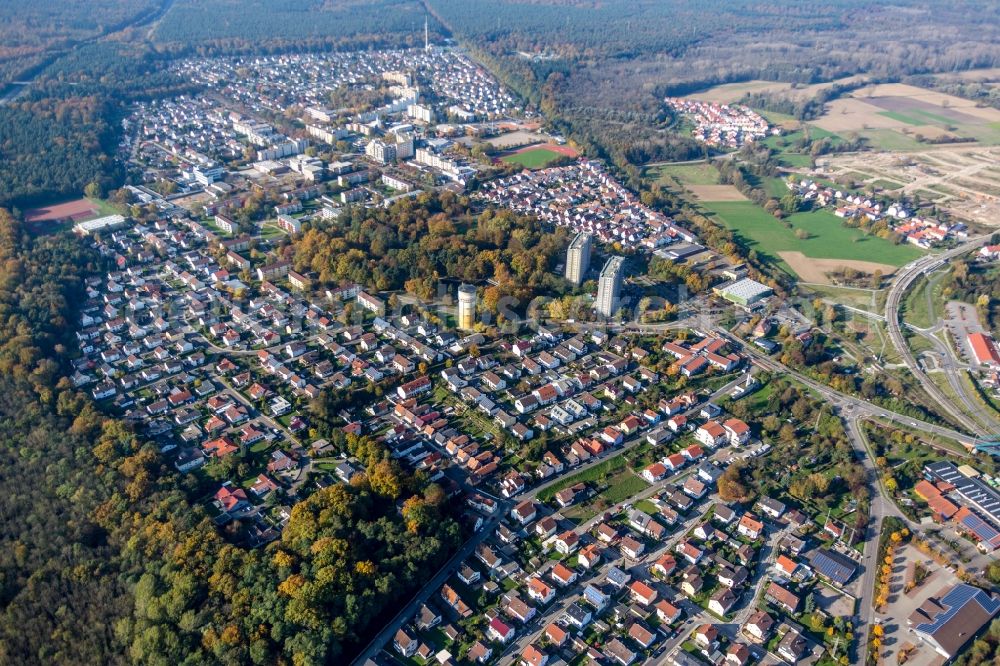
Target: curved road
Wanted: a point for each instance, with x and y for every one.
(952, 369)
(906, 277)
(838, 399)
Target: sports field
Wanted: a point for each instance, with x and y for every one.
(538, 157)
(828, 239)
(54, 218)
(77, 209)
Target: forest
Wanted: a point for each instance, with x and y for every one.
(64, 132)
(106, 558)
(601, 67)
(207, 27)
(53, 147)
(417, 241)
(31, 32)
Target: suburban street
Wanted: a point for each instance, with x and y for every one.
(853, 409)
(384, 637)
(879, 507)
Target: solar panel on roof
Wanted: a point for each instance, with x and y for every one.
(955, 600)
(834, 566)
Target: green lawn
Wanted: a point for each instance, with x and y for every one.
(858, 298)
(828, 237)
(687, 174)
(902, 117)
(774, 117)
(647, 506)
(988, 133)
(598, 472)
(535, 158)
(620, 486)
(775, 187)
(886, 184)
(924, 305)
(269, 231)
(795, 160)
(888, 139)
(105, 207)
(624, 486)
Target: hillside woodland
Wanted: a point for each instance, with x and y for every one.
(412, 244)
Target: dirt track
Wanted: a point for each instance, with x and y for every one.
(78, 209)
(815, 270)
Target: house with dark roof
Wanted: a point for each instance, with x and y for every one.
(949, 622)
(792, 647)
(833, 566)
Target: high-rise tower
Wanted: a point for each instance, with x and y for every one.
(578, 258)
(609, 286)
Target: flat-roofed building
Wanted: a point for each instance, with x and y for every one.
(106, 223)
(578, 258)
(609, 286)
(745, 292)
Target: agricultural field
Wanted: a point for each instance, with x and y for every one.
(826, 244)
(700, 179)
(732, 92)
(671, 175)
(902, 117)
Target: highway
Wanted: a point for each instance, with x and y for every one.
(904, 279)
(838, 399)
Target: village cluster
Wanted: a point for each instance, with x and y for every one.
(672, 572)
(466, 90)
(722, 125)
(585, 198)
(915, 229)
(221, 148)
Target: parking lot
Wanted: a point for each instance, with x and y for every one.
(902, 604)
